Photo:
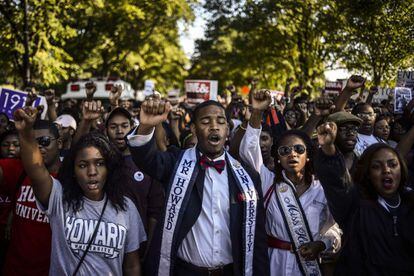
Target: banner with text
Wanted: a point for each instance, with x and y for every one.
(10, 100)
(198, 91)
(405, 79)
(333, 87)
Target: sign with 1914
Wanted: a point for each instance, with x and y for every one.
(10, 100)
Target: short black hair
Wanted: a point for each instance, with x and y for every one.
(9, 132)
(267, 128)
(205, 104)
(357, 108)
(45, 124)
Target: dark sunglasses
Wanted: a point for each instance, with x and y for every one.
(44, 141)
(285, 150)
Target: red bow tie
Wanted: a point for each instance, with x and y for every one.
(218, 165)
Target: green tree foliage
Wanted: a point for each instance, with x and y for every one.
(377, 37)
(276, 39)
(47, 36)
(135, 40)
(272, 40)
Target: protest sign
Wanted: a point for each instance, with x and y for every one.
(276, 96)
(405, 79)
(198, 91)
(402, 97)
(173, 96)
(333, 87)
(382, 94)
(10, 100)
(149, 88)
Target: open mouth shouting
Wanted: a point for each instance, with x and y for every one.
(214, 139)
(93, 184)
(388, 183)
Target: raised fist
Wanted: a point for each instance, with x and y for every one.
(24, 118)
(92, 110)
(326, 134)
(90, 89)
(116, 92)
(50, 96)
(31, 96)
(261, 99)
(373, 90)
(176, 113)
(355, 82)
(154, 111)
(323, 106)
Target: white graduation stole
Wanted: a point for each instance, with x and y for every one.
(176, 195)
(246, 184)
(182, 183)
(296, 223)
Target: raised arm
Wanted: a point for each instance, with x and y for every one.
(334, 177)
(249, 146)
(239, 134)
(354, 82)
(323, 106)
(30, 154)
(159, 165)
(371, 93)
(51, 107)
(407, 141)
(91, 110)
(114, 95)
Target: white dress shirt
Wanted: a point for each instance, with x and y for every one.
(321, 224)
(208, 243)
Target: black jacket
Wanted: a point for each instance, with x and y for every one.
(160, 166)
(372, 243)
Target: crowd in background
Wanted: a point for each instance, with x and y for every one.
(351, 163)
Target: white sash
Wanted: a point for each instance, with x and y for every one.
(296, 223)
(181, 183)
(176, 196)
(250, 197)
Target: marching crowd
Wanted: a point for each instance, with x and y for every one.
(256, 186)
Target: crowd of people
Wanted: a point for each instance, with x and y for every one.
(256, 186)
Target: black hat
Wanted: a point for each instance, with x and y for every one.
(343, 117)
(119, 111)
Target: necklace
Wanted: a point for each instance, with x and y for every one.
(393, 206)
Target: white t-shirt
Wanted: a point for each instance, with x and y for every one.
(119, 232)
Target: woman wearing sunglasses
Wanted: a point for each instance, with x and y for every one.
(95, 229)
(374, 210)
(298, 223)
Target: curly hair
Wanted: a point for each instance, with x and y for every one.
(310, 151)
(72, 192)
(361, 177)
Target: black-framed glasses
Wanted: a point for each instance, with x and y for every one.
(44, 141)
(365, 115)
(286, 150)
(348, 129)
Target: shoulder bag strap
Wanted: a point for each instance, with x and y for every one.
(91, 239)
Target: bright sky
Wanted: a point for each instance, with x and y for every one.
(192, 33)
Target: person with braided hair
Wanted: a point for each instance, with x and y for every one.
(94, 227)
